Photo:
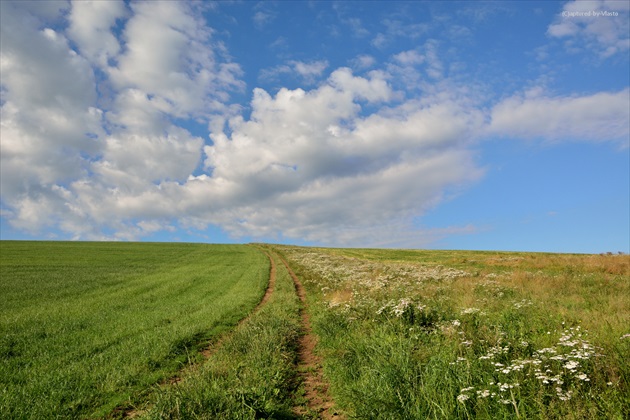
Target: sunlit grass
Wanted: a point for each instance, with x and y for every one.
(251, 375)
(85, 327)
(455, 334)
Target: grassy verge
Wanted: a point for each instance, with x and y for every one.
(416, 335)
(250, 375)
(85, 327)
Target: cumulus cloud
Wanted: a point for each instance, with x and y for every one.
(599, 117)
(308, 165)
(184, 72)
(90, 27)
(598, 25)
(68, 155)
(49, 125)
(93, 145)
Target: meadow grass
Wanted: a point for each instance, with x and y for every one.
(456, 334)
(85, 327)
(251, 375)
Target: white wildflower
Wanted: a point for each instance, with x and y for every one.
(462, 398)
(401, 307)
(571, 365)
(469, 311)
(483, 394)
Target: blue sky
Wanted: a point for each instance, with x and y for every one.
(455, 125)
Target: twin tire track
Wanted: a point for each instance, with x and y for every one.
(309, 366)
(131, 412)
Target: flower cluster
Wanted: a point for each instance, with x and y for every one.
(400, 307)
(494, 390)
(523, 303)
(371, 280)
(560, 367)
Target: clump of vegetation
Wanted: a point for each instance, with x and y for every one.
(439, 334)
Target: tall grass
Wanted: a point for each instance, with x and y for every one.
(250, 375)
(441, 334)
(85, 327)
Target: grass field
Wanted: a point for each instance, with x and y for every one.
(93, 330)
(447, 334)
(251, 375)
(87, 326)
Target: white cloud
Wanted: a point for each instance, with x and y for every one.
(407, 58)
(307, 165)
(47, 96)
(347, 161)
(184, 72)
(363, 61)
(261, 19)
(312, 69)
(68, 164)
(380, 41)
(309, 72)
(90, 27)
(599, 117)
(602, 26)
(134, 160)
(419, 69)
(397, 29)
(358, 30)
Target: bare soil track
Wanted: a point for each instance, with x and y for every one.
(318, 399)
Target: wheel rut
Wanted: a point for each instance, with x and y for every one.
(213, 346)
(318, 400)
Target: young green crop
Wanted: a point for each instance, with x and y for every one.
(251, 375)
(85, 327)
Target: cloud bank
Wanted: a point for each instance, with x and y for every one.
(95, 142)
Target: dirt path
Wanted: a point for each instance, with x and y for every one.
(132, 412)
(310, 365)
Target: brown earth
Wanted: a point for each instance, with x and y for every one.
(318, 399)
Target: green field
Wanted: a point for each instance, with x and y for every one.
(85, 327)
(99, 330)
